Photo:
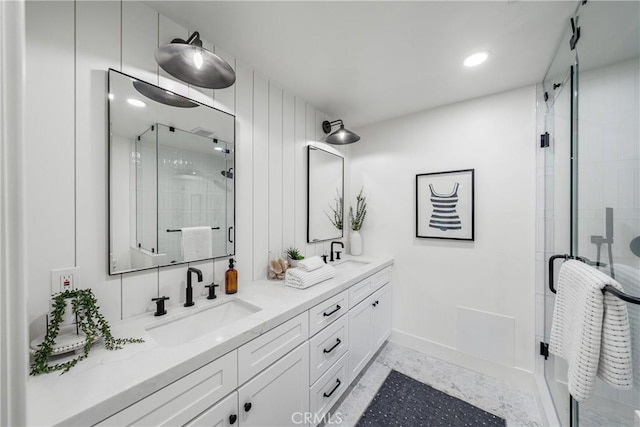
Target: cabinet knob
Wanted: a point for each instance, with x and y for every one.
(247, 407)
(232, 418)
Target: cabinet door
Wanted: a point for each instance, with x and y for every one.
(381, 324)
(184, 399)
(223, 414)
(279, 396)
(360, 340)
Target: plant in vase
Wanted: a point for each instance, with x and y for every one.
(357, 220)
(294, 256)
(336, 211)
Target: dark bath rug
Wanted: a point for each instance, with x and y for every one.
(403, 401)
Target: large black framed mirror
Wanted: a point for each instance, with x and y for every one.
(325, 195)
(171, 168)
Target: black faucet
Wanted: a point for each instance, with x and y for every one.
(190, 302)
(160, 310)
(337, 252)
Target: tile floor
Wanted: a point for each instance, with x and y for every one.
(518, 407)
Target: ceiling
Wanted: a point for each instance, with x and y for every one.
(369, 61)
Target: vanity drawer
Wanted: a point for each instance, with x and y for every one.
(328, 389)
(327, 312)
(269, 347)
(180, 401)
(327, 347)
(366, 287)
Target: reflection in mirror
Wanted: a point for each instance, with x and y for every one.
(171, 164)
(325, 192)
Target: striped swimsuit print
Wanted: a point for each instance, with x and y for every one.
(444, 215)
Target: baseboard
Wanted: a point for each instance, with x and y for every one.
(515, 376)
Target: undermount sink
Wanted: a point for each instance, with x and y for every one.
(349, 264)
(189, 326)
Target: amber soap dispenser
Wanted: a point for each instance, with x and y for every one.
(231, 279)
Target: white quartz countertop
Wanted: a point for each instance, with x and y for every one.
(108, 381)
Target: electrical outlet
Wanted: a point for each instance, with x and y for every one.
(63, 279)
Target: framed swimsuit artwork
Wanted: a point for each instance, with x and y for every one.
(445, 204)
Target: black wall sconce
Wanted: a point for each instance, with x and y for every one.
(188, 61)
(340, 137)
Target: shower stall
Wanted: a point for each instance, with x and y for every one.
(588, 178)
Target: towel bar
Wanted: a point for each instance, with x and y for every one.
(623, 296)
(177, 230)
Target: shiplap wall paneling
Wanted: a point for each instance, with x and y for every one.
(49, 150)
(244, 171)
(319, 248)
(139, 41)
(137, 291)
(275, 168)
(300, 175)
(310, 139)
(260, 176)
(97, 50)
(288, 171)
(225, 99)
(167, 31)
(172, 283)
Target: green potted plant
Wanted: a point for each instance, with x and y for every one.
(336, 216)
(357, 220)
(294, 255)
(90, 321)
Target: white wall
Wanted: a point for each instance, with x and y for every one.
(70, 46)
(450, 297)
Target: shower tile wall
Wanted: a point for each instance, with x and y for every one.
(609, 158)
(609, 176)
(186, 200)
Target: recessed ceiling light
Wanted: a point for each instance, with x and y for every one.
(136, 102)
(476, 59)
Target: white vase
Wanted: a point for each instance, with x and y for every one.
(356, 243)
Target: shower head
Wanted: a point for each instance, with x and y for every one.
(227, 173)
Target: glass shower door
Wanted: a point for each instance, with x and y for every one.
(592, 180)
(608, 175)
(555, 105)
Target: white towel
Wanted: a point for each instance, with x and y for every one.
(310, 264)
(629, 278)
(590, 330)
(303, 279)
(196, 243)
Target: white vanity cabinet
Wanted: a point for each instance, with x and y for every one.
(183, 400)
(278, 396)
(274, 375)
(369, 327)
(290, 375)
(222, 414)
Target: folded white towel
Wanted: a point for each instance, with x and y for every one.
(196, 243)
(590, 330)
(310, 264)
(303, 279)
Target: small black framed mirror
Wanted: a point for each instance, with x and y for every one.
(325, 195)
